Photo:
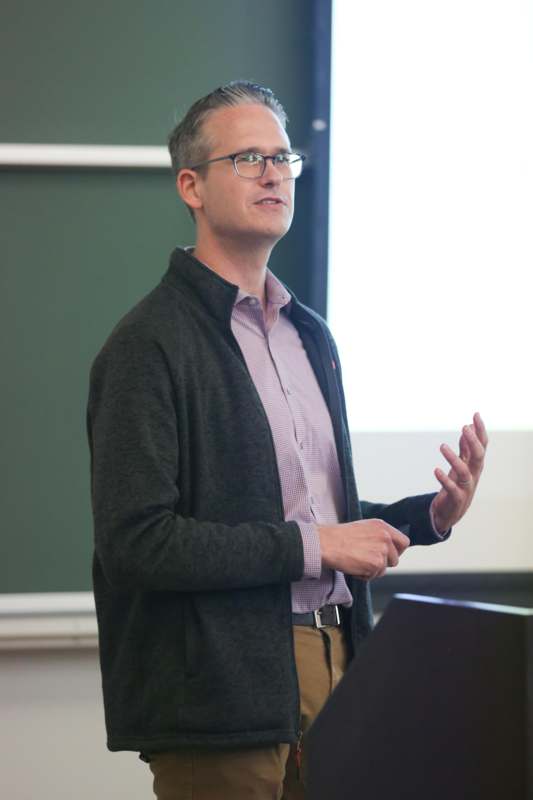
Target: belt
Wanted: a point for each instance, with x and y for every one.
(327, 615)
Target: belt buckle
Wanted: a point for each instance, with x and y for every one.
(318, 621)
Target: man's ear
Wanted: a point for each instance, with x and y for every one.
(187, 186)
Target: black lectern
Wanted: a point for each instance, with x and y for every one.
(437, 705)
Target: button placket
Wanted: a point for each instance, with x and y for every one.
(270, 340)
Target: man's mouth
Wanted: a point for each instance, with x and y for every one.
(270, 201)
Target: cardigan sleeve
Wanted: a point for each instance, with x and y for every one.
(410, 515)
(141, 540)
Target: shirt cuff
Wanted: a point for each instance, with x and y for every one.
(312, 552)
(435, 531)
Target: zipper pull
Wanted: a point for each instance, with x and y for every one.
(298, 755)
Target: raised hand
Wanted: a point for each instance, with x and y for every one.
(459, 485)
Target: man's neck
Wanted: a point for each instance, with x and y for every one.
(245, 267)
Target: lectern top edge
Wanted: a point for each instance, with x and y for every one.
(419, 598)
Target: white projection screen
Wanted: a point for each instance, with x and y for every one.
(431, 252)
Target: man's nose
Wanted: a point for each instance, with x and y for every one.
(272, 174)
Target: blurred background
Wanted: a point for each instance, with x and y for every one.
(80, 246)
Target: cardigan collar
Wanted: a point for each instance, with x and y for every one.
(215, 293)
(189, 275)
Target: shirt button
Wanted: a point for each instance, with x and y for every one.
(288, 390)
(301, 445)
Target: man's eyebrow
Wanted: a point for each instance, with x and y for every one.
(254, 149)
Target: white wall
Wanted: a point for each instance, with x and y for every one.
(496, 535)
(52, 736)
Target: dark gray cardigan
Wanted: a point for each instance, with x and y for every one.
(193, 560)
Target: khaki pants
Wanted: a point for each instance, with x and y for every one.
(266, 773)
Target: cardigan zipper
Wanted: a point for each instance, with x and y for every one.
(298, 755)
(239, 352)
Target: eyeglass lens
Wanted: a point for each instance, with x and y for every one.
(253, 165)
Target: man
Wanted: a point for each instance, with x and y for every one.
(232, 554)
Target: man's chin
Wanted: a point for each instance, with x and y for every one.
(262, 235)
(274, 231)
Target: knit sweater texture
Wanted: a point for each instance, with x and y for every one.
(193, 560)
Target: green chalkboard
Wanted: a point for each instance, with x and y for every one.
(80, 247)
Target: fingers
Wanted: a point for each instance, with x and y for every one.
(378, 573)
(400, 541)
(477, 449)
(464, 450)
(480, 429)
(467, 466)
(454, 489)
(392, 544)
(462, 476)
(365, 548)
(393, 557)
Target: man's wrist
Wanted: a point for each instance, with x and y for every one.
(439, 529)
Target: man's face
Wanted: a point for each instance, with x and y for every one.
(242, 208)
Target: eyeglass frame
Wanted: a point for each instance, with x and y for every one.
(233, 156)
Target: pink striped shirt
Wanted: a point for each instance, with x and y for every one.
(301, 428)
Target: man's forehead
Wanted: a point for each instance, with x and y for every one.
(244, 127)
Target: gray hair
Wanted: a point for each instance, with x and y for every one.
(188, 145)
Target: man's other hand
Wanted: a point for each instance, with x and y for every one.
(364, 548)
(459, 485)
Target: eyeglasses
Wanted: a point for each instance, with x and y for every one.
(253, 165)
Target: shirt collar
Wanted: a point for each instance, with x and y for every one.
(276, 294)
